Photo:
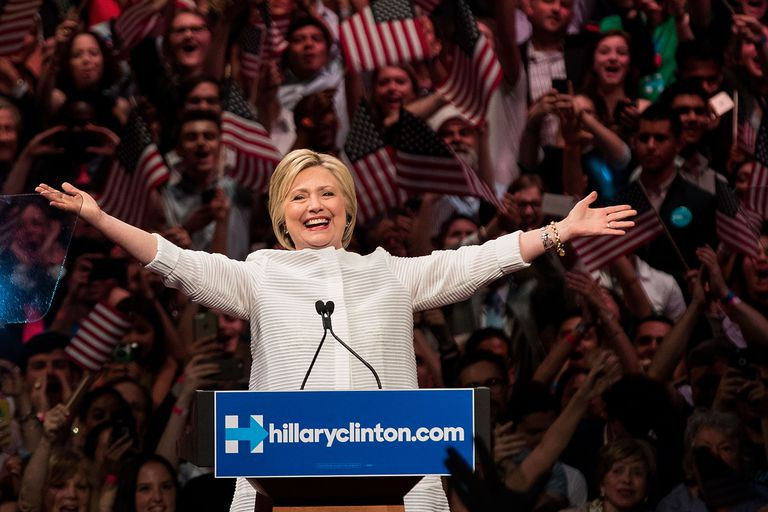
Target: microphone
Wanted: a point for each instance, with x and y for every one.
(325, 310)
(322, 310)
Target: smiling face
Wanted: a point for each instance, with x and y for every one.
(393, 89)
(69, 496)
(611, 61)
(549, 17)
(9, 135)
(756, 272)
(693, 113)
(315, 214)
(756, 8)
(750, 60)
(155, 489)
(199, 145)
(86, 63)
(189, 40)
(205, 96)
(625, 484)
(307, 51)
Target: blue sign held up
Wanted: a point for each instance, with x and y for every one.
(341, 433)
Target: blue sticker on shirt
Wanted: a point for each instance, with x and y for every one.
(681, 217)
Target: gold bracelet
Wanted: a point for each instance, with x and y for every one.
(558, 243)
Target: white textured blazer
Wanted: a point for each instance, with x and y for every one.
(375, 297)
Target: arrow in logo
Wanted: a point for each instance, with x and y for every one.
(254, 433)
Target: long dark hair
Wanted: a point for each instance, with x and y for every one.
(589, 86)
(125, 500)
(110, 71)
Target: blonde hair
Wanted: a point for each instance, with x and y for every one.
(282, 179)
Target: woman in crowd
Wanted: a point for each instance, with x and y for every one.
(715, 477)
(313, 208)
(624, 469)
(84, 68)
(610, 84)
(146, 484)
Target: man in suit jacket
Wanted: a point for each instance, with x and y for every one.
(688, 212)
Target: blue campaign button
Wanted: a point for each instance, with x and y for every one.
(681, 217)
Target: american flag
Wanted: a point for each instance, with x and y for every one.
(138, 169)
(736, 227)
(427, 6)
(596, 251)
(427, 164)
(93, 342)
(137, 22)
(384, 33)
(372, 166)
(276, 27)
(251, 50)
(757, 196)
(257, 157)
(475, 72)
(16, 20)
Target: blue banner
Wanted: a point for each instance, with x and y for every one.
(341, 433)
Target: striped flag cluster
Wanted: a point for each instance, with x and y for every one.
(275, 27)
(372, 167)
(427, 6)
(427, 164)
(736, 227)
(138, 169)
(101, 330)
(384, 33)
(136, 22)
(16, 20)
(257, 156)
(251, 50)
(757, 196)
(475, 72)
(597, 251)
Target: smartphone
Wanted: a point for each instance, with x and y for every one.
(122, 426)
(207, 195)
(205, 326)
(740, 361)
(560, 85)
(620, 107)
(230, 368)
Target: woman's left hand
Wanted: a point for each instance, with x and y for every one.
(585, 221)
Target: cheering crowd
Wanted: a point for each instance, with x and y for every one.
(626, 373)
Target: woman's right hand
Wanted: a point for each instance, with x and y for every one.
(71, 199)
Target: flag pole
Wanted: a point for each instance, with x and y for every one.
(735, 119)
(664, 227)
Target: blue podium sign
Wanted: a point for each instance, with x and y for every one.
(341, 433)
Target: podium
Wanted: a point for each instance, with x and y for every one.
(335, 451)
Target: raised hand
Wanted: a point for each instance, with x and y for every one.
(71, 199)
(585, 221)
(56, 422)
